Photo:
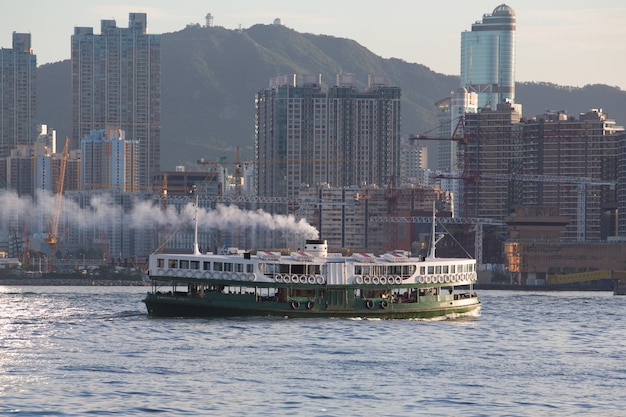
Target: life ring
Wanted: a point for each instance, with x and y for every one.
(369, 304)
(384, 304)
(294, 279)
(302, 279)
(440, 279)
(359, 279)
(278, 278)
(295, 305)
(206, 274)
(420, 280)
(310, 279)
(367, 279)
(310, 305)
(446, 278)
(319, 279)
(375, 280)
(251, 277)
(225, 275)
(179, 273)
(427, 279)
(398, 279)
(383, 280)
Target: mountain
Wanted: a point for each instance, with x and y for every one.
(211, 75)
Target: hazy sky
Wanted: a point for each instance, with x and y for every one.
(567, 42)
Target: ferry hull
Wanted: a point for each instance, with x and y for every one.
(167, 305)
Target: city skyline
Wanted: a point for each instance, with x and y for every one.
(568, 43)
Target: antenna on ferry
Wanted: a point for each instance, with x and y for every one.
(196, 249)
(433, 240)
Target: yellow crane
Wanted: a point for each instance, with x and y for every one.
(53, 226)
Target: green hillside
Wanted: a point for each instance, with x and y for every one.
(211, 75)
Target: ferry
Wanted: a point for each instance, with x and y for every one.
(311, 282)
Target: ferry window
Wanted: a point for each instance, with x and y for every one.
(238, 267)
(438, 269)
(172, 263)
(444, 269)
(396, 270)
(366, 270)
(217, 266)
(228, 267)
(160, 263)
(357, 270)
(249, 268)
(452, 269)
(409, 270)
(431, 270)
(207, 266)
(195, 265)
(184, 264)
(422, 270)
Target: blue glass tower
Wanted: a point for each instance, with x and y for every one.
(488, 57)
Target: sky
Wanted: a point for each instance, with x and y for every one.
(566, 42)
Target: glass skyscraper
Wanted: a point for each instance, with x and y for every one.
(488, 57)
(116, 82)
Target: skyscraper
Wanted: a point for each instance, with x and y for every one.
(116, 81)
(18, 96)
(108, 161)
(488, 57)
(341, 137)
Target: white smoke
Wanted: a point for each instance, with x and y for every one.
(103, 210)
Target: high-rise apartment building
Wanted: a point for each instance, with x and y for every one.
(108, 161)
(18, 96)
(306, 137)
(488, 57)
(116, 81)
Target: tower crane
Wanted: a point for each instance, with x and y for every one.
(580, 182)
(478, 222)
(53, 226)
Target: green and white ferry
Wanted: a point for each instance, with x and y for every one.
(310, 283)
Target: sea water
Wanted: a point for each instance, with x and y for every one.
(76, 351)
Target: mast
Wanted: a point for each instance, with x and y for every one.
(433, 239)
(196, 249)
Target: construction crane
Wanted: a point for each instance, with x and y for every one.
(580, 182)
(478, 222)
(53, 226)
(458, 135)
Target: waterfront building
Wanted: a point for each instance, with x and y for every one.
(488, 57)
(18, 94)
(116, 81)
(574, 162)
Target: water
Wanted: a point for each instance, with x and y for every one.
(75, 351)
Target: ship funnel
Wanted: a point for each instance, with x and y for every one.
(317, 248)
